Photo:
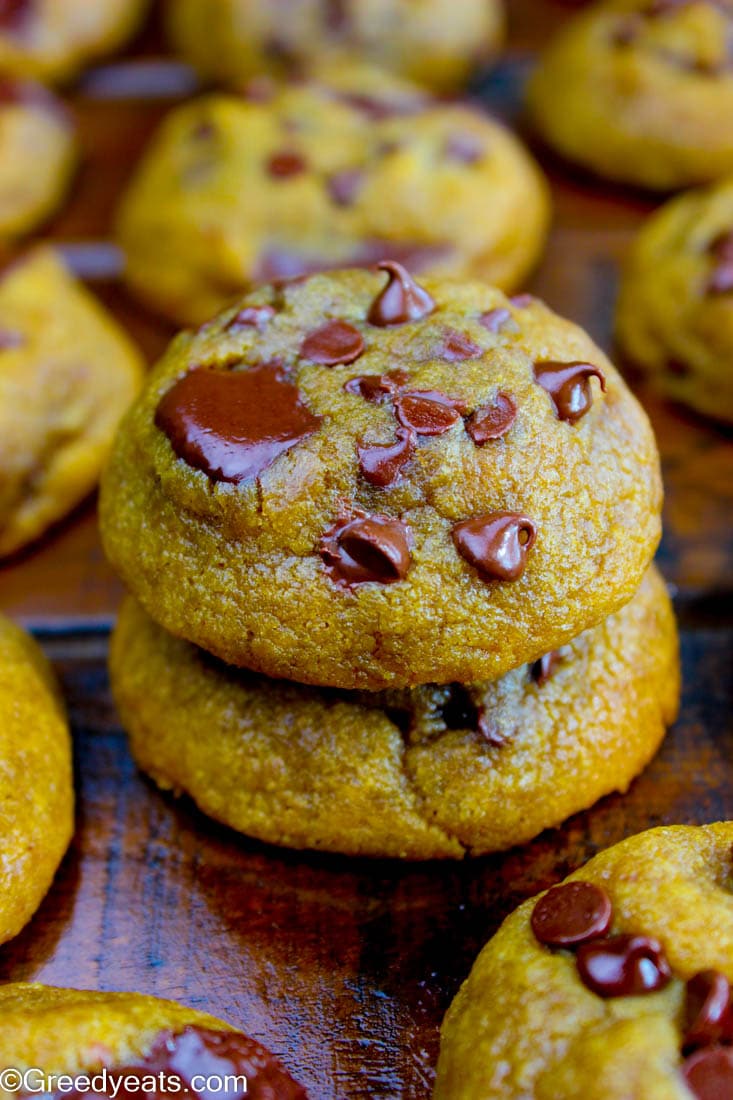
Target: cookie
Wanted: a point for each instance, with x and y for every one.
(52, 40)
(615, 984)
(49, 1032)
(641, 91)
(428, 772)
(36, 793)
(67, 373)
(361, 481)
(675, 310)
(435, 42)
(37, 155)
(234, 192)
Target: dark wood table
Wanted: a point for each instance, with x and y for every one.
(343, 967)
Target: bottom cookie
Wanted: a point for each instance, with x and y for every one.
(612, 988)
(49, 1032)
(435, 771)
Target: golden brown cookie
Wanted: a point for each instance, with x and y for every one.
(436, 771)
(36, 793)
(675, 310)
(51, 40)
(236, 191)
(49, 1032)
(435, 42)
(641, 91)
(37, 155)
(67, 373)
(612, 988)
(361, 481)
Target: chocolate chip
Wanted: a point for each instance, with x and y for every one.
(343, 187)
(542, 670)
(708, 1074)
(284, 165)
(708, 1011)
(496, 544)
(492, 421)
(234, 424)
(381, 463)
(334, 343)
(251, 317)
(498, 320)
(621, 966)
(377, 388)
(568, 384)
(488, 729)
(459, 712)
(366, 548)
(456, 346)
(523, 301)
(428, 412)
(721, 278)
(402, 300)
(378, 108)
(14, 13)
(465, 148)
(572, 913)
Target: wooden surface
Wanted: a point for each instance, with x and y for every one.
(343, 967)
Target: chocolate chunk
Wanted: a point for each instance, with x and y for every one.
(568, 384)
(234, 424)
(623, 965)
(498, 320)
(708, 1074)
(366, 548)
(428, 412)
(572, 913)
(251, 317)
(708, 1010)
(284, 165)
(492, 421)
(542, 670)
(496, 544)
(377, 388)
(402, 300)
(334, 343)
(523, 301)
(381, 463)
(721, 278)
(456, 346)
(343, 187)
(465, 148)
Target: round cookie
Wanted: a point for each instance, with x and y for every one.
(36, 792)
(434, 42)
(431, 772)
(617, 988)
(51, 40)
(641, 91)
(67, 373)
(675, 309)
(236, 191)
(51, 1032)
(360, 481)
(37, 155)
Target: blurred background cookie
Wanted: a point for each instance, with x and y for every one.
(67, 374)
(436, 42)
(675, 309)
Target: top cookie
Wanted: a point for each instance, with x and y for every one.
(348, 171)
(436, 42)
(612, 986)
(641, 91)
(359, 481)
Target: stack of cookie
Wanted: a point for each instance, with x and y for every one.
(389, 544)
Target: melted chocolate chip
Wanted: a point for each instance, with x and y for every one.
(366, 548)
(334, 343)
(251, 317)
(456, 346)
(498, 320)
(523, 301)
(568, 384)
(343, 187)
(708, 1010)
(428, 412)
(721, 277)
(496, 544)
(708, 1074)
(234, 424)
(572, 913)
(465, 148)
(492, 421)
(402, 300)
(381, 463)
(284, 165)
(377, 388)
(542, 670)
(622, 966)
